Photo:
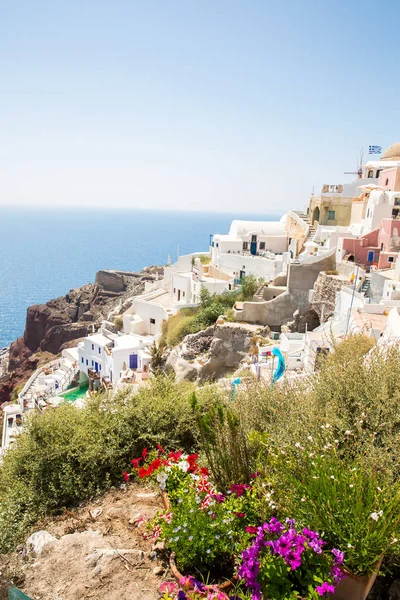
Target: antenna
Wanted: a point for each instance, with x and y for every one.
(359, 168)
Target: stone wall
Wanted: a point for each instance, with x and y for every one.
(324, 294)
(280, 310)
(110, 281)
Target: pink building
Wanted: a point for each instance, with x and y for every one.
(380, 247)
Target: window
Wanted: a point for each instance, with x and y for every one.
(391, 259)
(183, 294)
(370, 174)
(87, 362)
(99, 350)
(174, 290)
(10, 422)
(92, 346)
(217, 245)
(378, 173)
(331, 215)
(262, 245)
(253, 238)
(387, 181)
(92, 363)
(83, 360)
(152, 321)
(245, 245)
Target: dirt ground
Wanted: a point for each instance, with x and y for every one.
(100, 553)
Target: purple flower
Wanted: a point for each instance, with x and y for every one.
(181, 595)
(274, 526)
(337, 573)
(325, 588)
(293, 559)
(311, 535)
(291, 522)
(316, 545)
(339, 556)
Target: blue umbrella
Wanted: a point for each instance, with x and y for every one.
(235, 382)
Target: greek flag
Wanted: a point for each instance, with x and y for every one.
(375, 150)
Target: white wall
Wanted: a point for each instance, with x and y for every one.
(148, 310)
(181, 288)
(252, 265)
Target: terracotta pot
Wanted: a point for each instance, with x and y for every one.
(356, 587)
(223, 587)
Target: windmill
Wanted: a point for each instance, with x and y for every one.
(359, 170)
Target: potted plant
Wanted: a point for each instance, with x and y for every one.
(285, 562)
(355, 507)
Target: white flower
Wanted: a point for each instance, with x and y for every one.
(303, 499)
(208, 551)
(327, 425)
(180, 500)
(375, 515)
(176, 538)
(332, 477)
(379, 489)
(297, 444)
(351, 485)
(347, 432)
(183, 465)
(190, 537)
(394, 541)
(310, 438)
(350, 546)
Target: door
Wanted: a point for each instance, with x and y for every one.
(242, 274)
(253, 248)
(371, 256)
(96, 366)
(133, 361)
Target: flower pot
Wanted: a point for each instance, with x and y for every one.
(356, 587)
(223, 587)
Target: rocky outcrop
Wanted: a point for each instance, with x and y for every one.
(211, 353)
(51, 326)
(324, 292)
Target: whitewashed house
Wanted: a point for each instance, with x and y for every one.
(257, 248)
(110, 357)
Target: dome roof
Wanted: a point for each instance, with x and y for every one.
(392, 153)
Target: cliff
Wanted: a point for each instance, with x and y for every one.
(51, 326)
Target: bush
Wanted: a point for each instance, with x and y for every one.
(67, 455)
(118, 323)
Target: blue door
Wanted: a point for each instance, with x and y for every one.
(133, 362)
(371, 256)
(253, 248)
(96, 366)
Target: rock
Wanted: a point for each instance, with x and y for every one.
(171, 360)
(185, 370)
(159, 547)
(38, 540)
(158, 571)
(147, 495)
(96, 512)
(110, 281)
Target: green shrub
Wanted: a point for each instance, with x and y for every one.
(118, 323)
(66, 455)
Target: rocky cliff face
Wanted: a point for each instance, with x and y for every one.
(51, 326)
(210, 353)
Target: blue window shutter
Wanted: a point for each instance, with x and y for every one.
(87, 362)
(92, 346)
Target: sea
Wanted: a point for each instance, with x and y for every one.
(45, 252)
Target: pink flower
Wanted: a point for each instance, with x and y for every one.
(325, 588)
(168, 587)
(126, 476)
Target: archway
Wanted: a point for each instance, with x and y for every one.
(350, 258)
(315, 215)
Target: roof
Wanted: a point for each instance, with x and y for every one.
(99, 339)
(367, 321)
(392, 153)
(239, 228)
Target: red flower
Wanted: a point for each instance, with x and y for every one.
(136, 462)
(144, 453)
(175, 456)
(239, 514)
(239, 488)
(143, 472)
(156, 464)
(204, 471)
(126, 476)
(160, 449)
(250, 529)
(192, 458)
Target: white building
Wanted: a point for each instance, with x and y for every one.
(292, 347)
(257, 248)
(12, 425)
(110, 357)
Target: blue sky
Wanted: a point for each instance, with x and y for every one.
(197, 105)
